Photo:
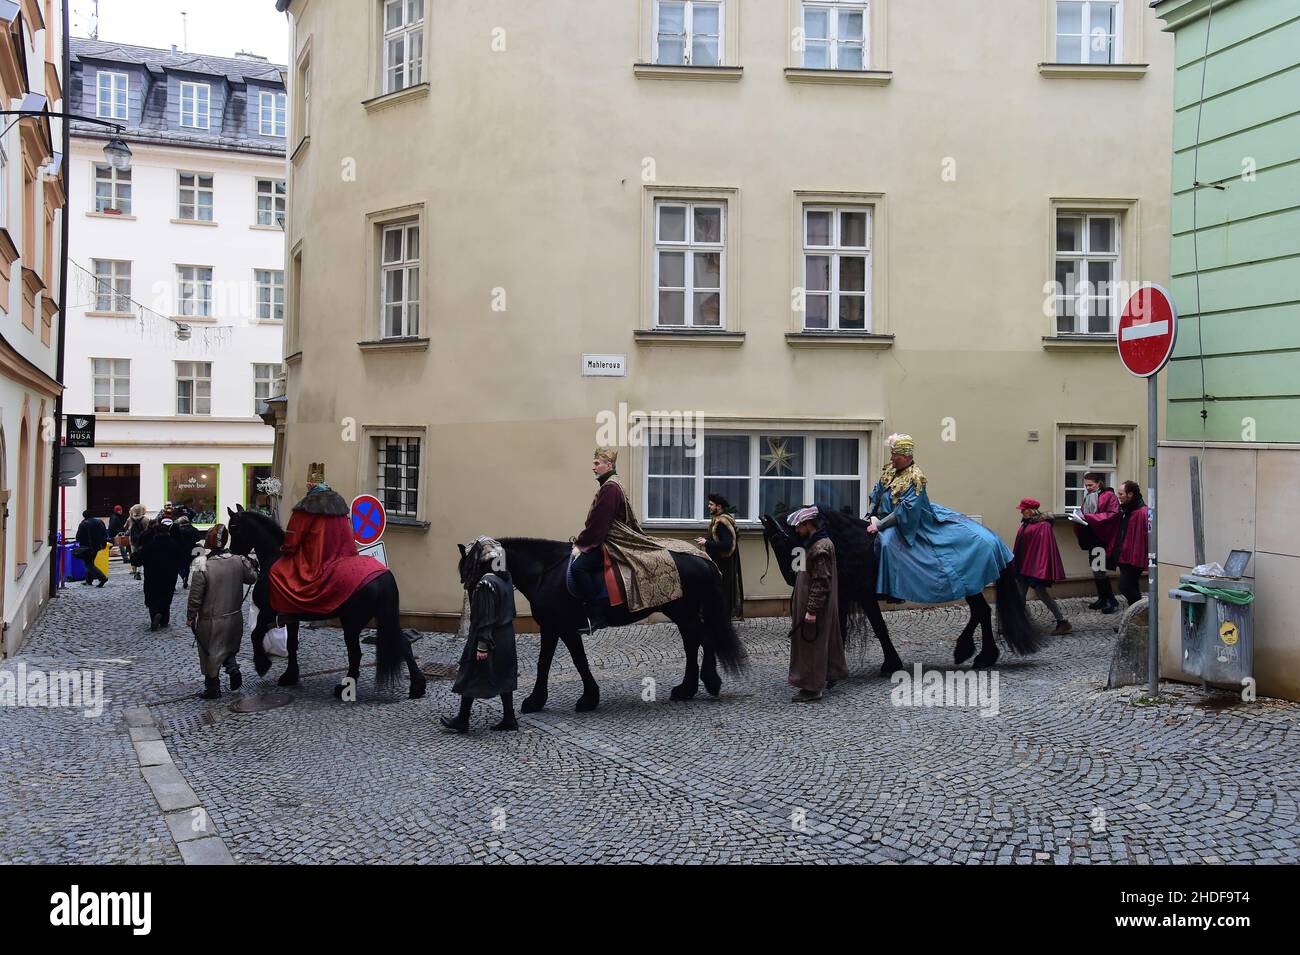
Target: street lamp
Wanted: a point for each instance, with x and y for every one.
(118, 154)
(116, 151)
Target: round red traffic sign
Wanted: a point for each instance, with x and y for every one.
(1148, 328)
(368, 520)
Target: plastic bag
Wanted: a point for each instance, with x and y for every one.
(1212, 569)
(276, 642)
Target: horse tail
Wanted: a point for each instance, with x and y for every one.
(389, 651)
(1013, 619)
(719, 631)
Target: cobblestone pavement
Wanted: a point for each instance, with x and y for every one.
(1064, 773)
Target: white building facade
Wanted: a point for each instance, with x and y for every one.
(176, 278)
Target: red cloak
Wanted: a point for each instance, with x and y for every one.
(1037, 555)
(1133, 549)
(1104, 525)
(319, 567)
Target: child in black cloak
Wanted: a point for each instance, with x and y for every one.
(488, 666)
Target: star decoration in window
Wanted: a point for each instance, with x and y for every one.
(780, 459)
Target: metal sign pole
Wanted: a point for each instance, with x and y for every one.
(1153, 567)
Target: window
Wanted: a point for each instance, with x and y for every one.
(194, 486)
(112, 385)
(1084, 453)
(110, 100)
(196, 101)
(403, 44)
(1087, 273)
(835, 35)
(112, 285)
(254, 498)
(399, 474)
(270, 294)
(837, 268)
(112, 190)
(271, 114)
(690, 243)
(400, 280)
(263, 384)
(193, 388)
(194, 291)
(194, 196)
(759, 473)
(688, 33)
(4, 188)
(304, 97)
(270, 202)
(1087, 32)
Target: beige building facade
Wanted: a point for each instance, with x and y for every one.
(801, 226)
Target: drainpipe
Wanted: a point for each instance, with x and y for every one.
(63, 307)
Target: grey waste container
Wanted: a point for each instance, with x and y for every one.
(1217, 632)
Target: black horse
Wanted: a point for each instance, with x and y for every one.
(537, 568)
(252, 532)
(857, 561)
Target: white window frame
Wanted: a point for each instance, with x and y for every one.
(266, 280)
(1089, 463)
(118, 381)
(197, 374)
(264, 373)
(278, 194)
(834, 8)
(117, 180)
(689, 247)
(198, 190)
(278, 111)
(197, 278)
(116, 91)
(411, 65)
(4, 188)
(112, 285)
(755, 476)
(688, 38)
(834, 251)
(410, 267)
(1083, 293)
(415, 486)
(191, 92)
(1085, 25)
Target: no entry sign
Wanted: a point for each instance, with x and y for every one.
(1148, 328)
(368, 520)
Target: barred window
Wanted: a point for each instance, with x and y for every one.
(399, 474)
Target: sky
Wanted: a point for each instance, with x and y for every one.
(217, 27)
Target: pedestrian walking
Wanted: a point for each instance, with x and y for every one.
(191, 538)
(116, 524)
(488, 666)
(214, 611)
(816, 645)
(723, 546)
(1098, 522)
(161, 556)
(136, 524)
(91, 537)
(1038, 560)
(1131, 540)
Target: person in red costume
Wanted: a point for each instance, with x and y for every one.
(319, 567)
(1132, 538)
(1098, 523)
(1038, 560)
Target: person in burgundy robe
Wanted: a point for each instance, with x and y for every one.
(319, 567)
(1038, 560)
(1100, 513)
(1129, 550)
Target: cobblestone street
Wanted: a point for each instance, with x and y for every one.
(1064, 773)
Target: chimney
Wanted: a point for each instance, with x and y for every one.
(173, 49)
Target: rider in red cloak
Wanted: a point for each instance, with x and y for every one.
(319, 567)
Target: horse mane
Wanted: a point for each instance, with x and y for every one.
(854, 548)
(544, 549)
(265, 522)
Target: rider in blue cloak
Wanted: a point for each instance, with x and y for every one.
(928, 553)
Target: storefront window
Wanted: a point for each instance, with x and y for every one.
(254, 499)
(194, 486)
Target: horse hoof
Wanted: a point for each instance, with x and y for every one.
(965, 649)
(532, 704)
(713, 686)
(890, 667)
(417, 689)
(683, 692)
(288, 678)
(986, 658)
(263, 666)
(587, 702)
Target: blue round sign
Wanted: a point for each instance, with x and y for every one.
(368, 520)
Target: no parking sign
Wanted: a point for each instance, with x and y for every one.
(368, 520)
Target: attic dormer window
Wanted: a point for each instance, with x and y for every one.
(196, 100)
(110, 97)
(271, 114)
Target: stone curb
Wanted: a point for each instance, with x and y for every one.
(187, 820)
